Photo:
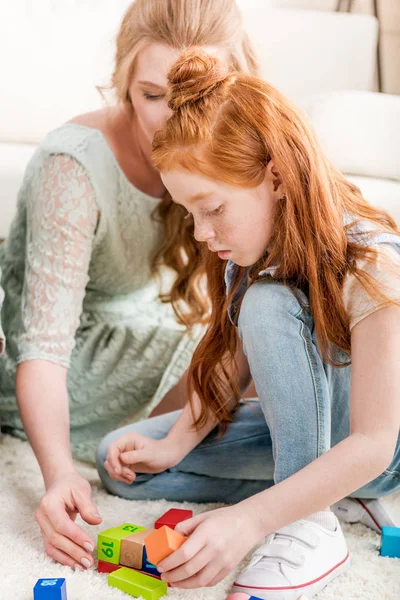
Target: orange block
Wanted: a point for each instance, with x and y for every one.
(162, 543)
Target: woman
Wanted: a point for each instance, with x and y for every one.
(311, 300)
(89, 341)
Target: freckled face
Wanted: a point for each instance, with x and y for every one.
(236, 222)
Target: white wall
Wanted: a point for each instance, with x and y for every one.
(390, 32)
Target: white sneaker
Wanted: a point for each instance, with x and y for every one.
(301, 558)
(371, 513)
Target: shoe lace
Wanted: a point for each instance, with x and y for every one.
(284, 546)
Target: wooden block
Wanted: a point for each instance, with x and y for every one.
(172, 517)
(137, 584)
(162, 543)
(109, 542)
(132, 549)
(390, 542)
(50, 589)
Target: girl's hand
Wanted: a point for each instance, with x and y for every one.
(218, 541)
(64, 541)
(134, 453)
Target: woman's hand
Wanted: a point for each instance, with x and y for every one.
(218, 541)
(64, 541)
(134, 453)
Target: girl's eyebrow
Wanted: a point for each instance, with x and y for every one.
(200, 196)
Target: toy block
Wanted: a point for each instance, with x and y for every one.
(137, 584)
(162, 543)
(172, 517)
(132, 549)
(390, 542)
(241, 596)
(50, 589)
(148, 567)
(106, 567)
(109, 542)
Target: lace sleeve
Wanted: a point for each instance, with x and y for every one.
(62, 217)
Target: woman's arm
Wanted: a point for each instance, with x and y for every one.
(42, 397)
(374, 429)
(61, 220)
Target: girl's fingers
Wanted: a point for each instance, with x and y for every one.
(219, 577)
(189, 525)
(202, 579)
(113, 458)
(189, 569)
(186, 552)
(126, 476)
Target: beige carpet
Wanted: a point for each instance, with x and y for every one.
(23, 561)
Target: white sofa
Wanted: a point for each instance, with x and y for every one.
(325, 61)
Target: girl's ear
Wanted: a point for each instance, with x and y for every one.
(274, 177)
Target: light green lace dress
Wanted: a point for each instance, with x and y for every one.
(79, 290)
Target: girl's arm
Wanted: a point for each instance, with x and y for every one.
(374, 429)
(182, 434)
(131, 453)
(361, 457)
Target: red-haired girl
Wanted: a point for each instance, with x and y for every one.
(310, 308)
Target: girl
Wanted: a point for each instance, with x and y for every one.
(90, 341)
(312, 276)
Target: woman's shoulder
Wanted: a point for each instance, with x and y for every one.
(83, 140)
(77, 137)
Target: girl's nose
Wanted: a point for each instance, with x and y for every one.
(203, 232)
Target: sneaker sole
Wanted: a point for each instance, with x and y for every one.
(293, 592)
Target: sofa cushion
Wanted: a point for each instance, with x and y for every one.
(360, 131)
(13, 161)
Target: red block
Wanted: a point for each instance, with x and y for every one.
(105, 567)
(172, 517)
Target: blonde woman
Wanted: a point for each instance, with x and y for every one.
(90, 342)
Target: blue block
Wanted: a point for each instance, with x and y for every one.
(147, 566)
(50, 589)
(254, 598)
(390, 542)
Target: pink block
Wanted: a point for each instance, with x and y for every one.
(238, 596)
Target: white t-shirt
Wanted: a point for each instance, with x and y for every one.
(385, 269)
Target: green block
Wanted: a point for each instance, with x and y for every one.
(109, 541)
(137, 584)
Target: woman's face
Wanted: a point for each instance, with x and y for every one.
(236, 222)
(148, 87)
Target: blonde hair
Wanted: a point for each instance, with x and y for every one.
(180, 24)
(228, 126)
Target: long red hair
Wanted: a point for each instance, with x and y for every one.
(228, 126)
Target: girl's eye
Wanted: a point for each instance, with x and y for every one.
(216, 211)
(152, 96)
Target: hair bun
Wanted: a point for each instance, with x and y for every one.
(194, 76)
